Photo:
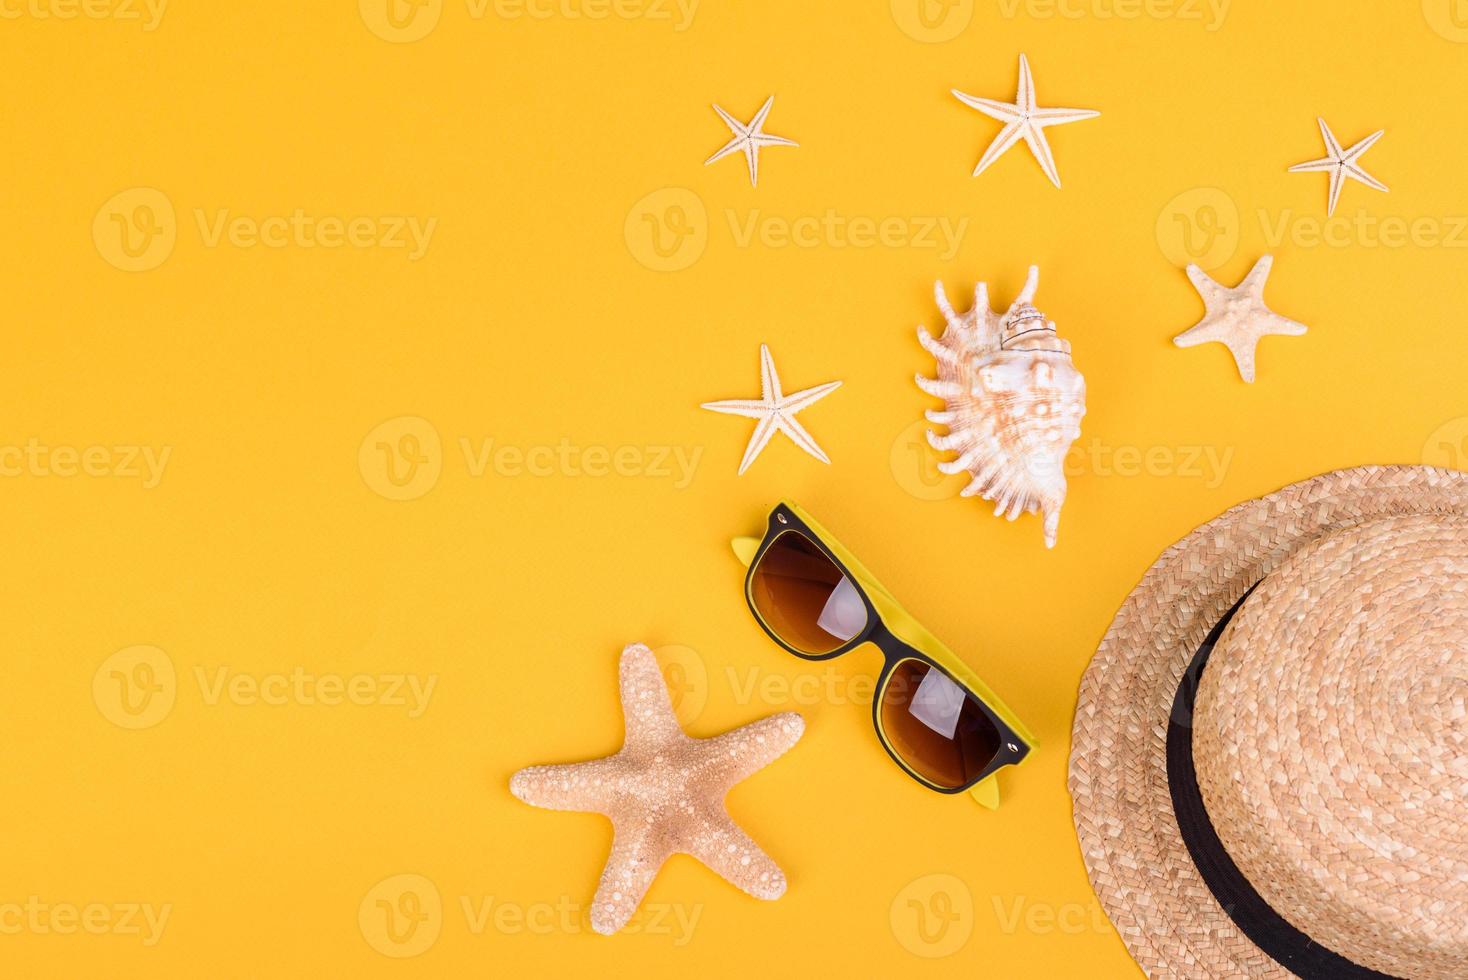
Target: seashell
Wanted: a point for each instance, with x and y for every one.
(1013, 403)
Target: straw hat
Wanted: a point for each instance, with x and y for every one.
(1300, 806)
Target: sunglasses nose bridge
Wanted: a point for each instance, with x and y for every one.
(881, 636)
(892, 651)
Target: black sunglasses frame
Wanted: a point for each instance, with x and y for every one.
(1012, 748)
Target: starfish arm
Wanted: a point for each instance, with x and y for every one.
(765, 139)
(1025, 98)
(739, 406)
(634, 862)
(1286, 327)
(725, 150)
(751, 156)
(769, 378)
(1337, 181)
(1202, 332)
(799, 436)
(759, 117)
(647, 711)
(1210, 330)
(739, 129)
(749, 748)
(1211, 291)
(1057, 117)
(1035, 138)
(574, 786)
(1002, 111)
(791, 404)
(1361, 147)
(729, 852)
(1007, 137)
(757, 442)
(1332, 145)
(1258, 276)
(1314, 165)
(1355, 172)
(1243, 352)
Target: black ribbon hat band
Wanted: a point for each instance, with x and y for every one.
(1265, 927)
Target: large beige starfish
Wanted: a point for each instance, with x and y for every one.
(664, 793)
(1341, 164)
(775, 411)
(1237, 317)
(1023, 119)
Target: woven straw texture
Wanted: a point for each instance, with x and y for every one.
(1329, 740)
(1337, 757)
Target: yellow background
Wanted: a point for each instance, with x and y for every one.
(534, 318)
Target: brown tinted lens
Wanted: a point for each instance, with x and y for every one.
(803, 598)
(936, 726)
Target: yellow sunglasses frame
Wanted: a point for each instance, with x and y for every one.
(905, 629)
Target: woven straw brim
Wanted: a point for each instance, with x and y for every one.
(1134, 853)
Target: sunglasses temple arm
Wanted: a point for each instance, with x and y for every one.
(745, 549)
(986, 791)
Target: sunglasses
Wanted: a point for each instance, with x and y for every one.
(933, 714)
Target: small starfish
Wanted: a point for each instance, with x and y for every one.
(775, 411)
(1341, 163)
(1023, 119)
(664, 793)
(748, 139)
(1237, 317)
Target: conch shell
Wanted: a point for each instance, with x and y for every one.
(1014, 402)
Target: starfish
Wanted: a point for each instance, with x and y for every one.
(664, 793)
(1341, 163)
(1023, 119)
(775, 411)
(1237, 317)
(748, 139)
